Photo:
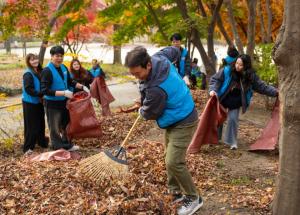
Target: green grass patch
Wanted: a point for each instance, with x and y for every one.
(220, 164)
(12, 66)
(243, 180)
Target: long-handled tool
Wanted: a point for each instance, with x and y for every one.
(109, 163)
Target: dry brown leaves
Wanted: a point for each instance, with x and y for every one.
(59, 187)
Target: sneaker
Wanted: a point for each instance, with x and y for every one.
(74, 148)
(28, 152)
(178, 197)
(190, 206)
(233, 147)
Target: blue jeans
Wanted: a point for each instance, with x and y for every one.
(231, 132)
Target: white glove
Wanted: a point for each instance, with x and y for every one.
(187, 80)
(85, 89)
(139, 111)
(68, 94)
(212, 93)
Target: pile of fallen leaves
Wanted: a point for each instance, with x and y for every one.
(115, 129)
(200, 98)
(59, 187)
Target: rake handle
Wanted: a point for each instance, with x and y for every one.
(130, 131)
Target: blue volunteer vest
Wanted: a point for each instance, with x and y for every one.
(184, 53)
(230, 60)
(58, 84)
(226, 83)
(179, 102)
(25, 96)
(96, 72)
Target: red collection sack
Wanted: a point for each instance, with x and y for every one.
(212, 117)
(269, 136)
(83, 121)
(101, 93)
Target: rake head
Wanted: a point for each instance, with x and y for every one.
(109, 164)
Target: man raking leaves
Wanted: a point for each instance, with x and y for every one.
(167, 99)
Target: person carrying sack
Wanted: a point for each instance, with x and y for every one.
(55, 85)
(33, 109)
(234, 87)
(96, 70)
(167, 99)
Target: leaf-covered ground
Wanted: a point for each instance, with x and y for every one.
(231, 182)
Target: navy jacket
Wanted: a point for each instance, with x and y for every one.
(153, 97)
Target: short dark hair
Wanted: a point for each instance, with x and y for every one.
(57, 50)
(232, 52)
(195, 60)
(176, 36)
(137, 57)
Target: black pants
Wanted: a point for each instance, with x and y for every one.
(58, 120)
(193, 79)
(34, 126)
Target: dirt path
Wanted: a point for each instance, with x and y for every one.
(11, 118)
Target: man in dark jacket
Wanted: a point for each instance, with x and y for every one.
(167, 99)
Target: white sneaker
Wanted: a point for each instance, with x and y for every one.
(28, 152)
(190, 206)
(74, 148)
(233, 147)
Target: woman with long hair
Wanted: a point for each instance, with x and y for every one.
(234, 87)
(33, 109)
(80, 74)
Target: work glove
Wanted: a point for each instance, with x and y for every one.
(68, 94)
(212, 93)
(140, 113)
(187, 80)
(85, 89)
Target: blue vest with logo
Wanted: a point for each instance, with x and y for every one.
(58, 84)
(179, 102)
(96, 72)
(184, 53)
(226, 83)
(36, 82)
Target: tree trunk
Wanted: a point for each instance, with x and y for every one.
(210, 32)
(262, 23)
(48, 31)
(8, 46)
(195, 37)
(232, 22)
(117, 54)
(270, 20)
(223, 31)
(117, 50)
(286, 54)
(24, 48)
(192, 52)
(251, 27)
